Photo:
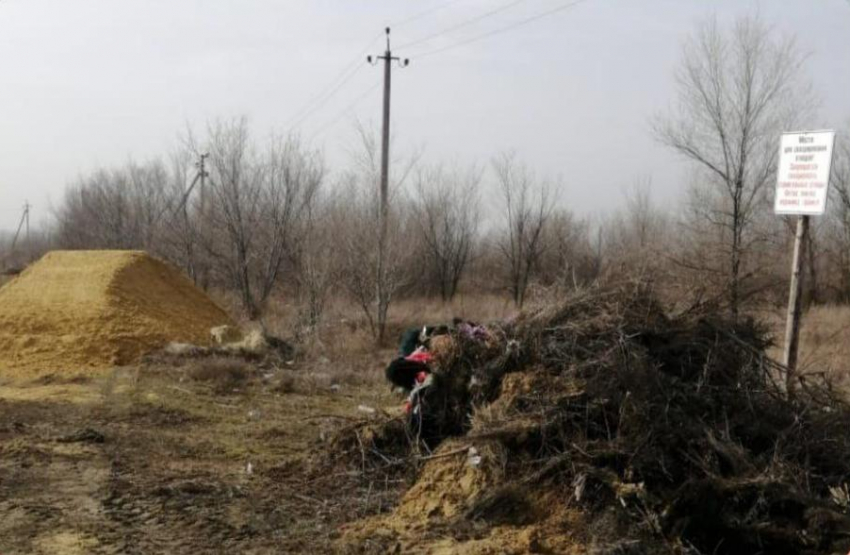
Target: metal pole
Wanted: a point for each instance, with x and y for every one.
(383, 215)
(385, 140)
(202, 168)
(795, 302)
(202, 267)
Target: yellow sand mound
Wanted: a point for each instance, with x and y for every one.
(94, 309)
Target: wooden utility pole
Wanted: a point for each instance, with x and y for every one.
(795, 304)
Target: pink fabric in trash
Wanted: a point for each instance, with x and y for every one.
(420, 355)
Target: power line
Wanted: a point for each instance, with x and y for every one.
(346, 78)
(346, 110)
(423, 14)
(464, 23)
(505, 29)
(348, 72)
(332, 87)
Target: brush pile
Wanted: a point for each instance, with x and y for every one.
(607, 425)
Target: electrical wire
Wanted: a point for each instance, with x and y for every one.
(306, 115)
(422, 14)
(346, 110)
(500, 30)
(348, 73)
(463, 24)
(332, 88)
(350, 69)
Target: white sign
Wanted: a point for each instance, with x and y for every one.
(803, 179)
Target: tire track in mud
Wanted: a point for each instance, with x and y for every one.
(49, 488)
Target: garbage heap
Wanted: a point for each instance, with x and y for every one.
(606, 424)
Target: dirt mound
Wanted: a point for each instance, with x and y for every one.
(608, 425)
(93, 309)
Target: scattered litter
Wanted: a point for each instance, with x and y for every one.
(473, 458)
(664, 429)
(225, 334)
(254, 414)
(367, 410)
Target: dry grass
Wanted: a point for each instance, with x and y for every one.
(345, 332)
(223, 374)
(479, 308)
(824, 340)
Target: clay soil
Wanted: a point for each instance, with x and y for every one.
(149, 459)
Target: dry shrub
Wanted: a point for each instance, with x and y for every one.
(478, 308)
(286, 382)
(223, 374)
(310, 381)
(671, 431)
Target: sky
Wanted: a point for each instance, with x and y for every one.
(86, 84)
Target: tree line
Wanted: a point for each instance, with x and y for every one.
(271, 216)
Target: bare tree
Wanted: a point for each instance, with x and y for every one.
(319, 256)
(737, 91)
(568, 259)
(374, 270)
(258, 207)
(636, 235)
(840, 211)
(447, 214)
(118, 209)
(527, 206)
(178, 239)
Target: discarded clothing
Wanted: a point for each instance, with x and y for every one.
(473, 331)
(417, 337)
(421, 354)
(402, 372)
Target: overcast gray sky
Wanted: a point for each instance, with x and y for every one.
(91, 83)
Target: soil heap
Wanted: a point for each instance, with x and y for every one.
(75, 310)
(610, 425)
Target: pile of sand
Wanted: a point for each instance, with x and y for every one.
(94, 309)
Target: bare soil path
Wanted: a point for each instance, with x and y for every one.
(147, 461)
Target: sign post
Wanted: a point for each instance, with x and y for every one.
(802, 185)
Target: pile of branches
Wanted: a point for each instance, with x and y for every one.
(677, 425)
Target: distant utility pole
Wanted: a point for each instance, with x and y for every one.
(27, 207)
(24, 223)
(201, 270)
(200, 178)
(202, 175)
(388, 59)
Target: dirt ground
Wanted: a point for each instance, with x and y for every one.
(151, 460)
